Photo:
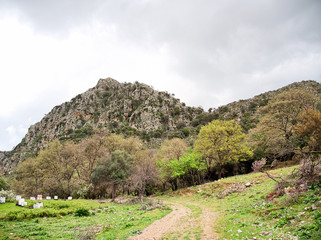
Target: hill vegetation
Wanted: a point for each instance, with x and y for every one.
(135, 110)
(128, 139)
(102, 162)
(122, 108)
(241, 207)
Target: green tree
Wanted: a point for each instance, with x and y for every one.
(189, 166)
(29, 177)
(308, 131)
(221, 143)
(91, 150)
(274, 133)
(3, 184)
(170, 150)
(114, 171)
(59, 163)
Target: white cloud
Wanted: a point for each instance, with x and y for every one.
(15, 133)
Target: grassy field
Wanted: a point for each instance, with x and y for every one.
(58, 220)
(239, 203)
(244, 213)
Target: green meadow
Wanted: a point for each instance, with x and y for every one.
(77, 219)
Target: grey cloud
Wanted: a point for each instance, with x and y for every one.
(240, 48)
(212, 42)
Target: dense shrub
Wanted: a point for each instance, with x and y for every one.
(7, 194)
(3, 184)
(82, 212)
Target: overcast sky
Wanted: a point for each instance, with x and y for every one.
(207, 52)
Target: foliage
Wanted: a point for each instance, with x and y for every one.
(28, 177)
(170, 150)
(145, 172)
(174, 148)
(8, 194)
(190, 165)
(308, 130)
(247, 122)
(117, 168)
(80, 212)
(114, 170)
(59, 163)
(66, 169)
(220, 143)
(3, 183)
(275, 130)
(79, 134)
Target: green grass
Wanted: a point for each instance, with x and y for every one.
(106, 220)
(246, 213)
(243, 212)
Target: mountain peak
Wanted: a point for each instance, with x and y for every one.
(107, 82)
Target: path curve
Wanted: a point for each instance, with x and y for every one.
(180, 221)
(164, 225)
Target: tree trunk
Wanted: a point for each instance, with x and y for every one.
(113, 192)
(193, 180)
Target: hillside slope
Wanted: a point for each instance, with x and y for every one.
(133, 109)
(123, 108)
(243, 208)
(246, 111)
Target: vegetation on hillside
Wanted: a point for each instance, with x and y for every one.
(246, 211)
(135, 109)
(107, 165)
(103, 163)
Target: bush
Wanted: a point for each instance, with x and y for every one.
(7, 194)
(3, 184)
(82, 212)
(186, 132)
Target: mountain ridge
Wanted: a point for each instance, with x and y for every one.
(128, 108)
(133, 109)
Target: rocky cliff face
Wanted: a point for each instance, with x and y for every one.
(132, 109)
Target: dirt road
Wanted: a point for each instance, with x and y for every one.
(189, 220)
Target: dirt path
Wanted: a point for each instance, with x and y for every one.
(207, 222)
(166, 225)
(182, 223)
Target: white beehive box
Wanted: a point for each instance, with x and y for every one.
(38, 205)
(22, 202)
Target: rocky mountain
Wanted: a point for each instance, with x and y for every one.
(124, 108)
(132, 109)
